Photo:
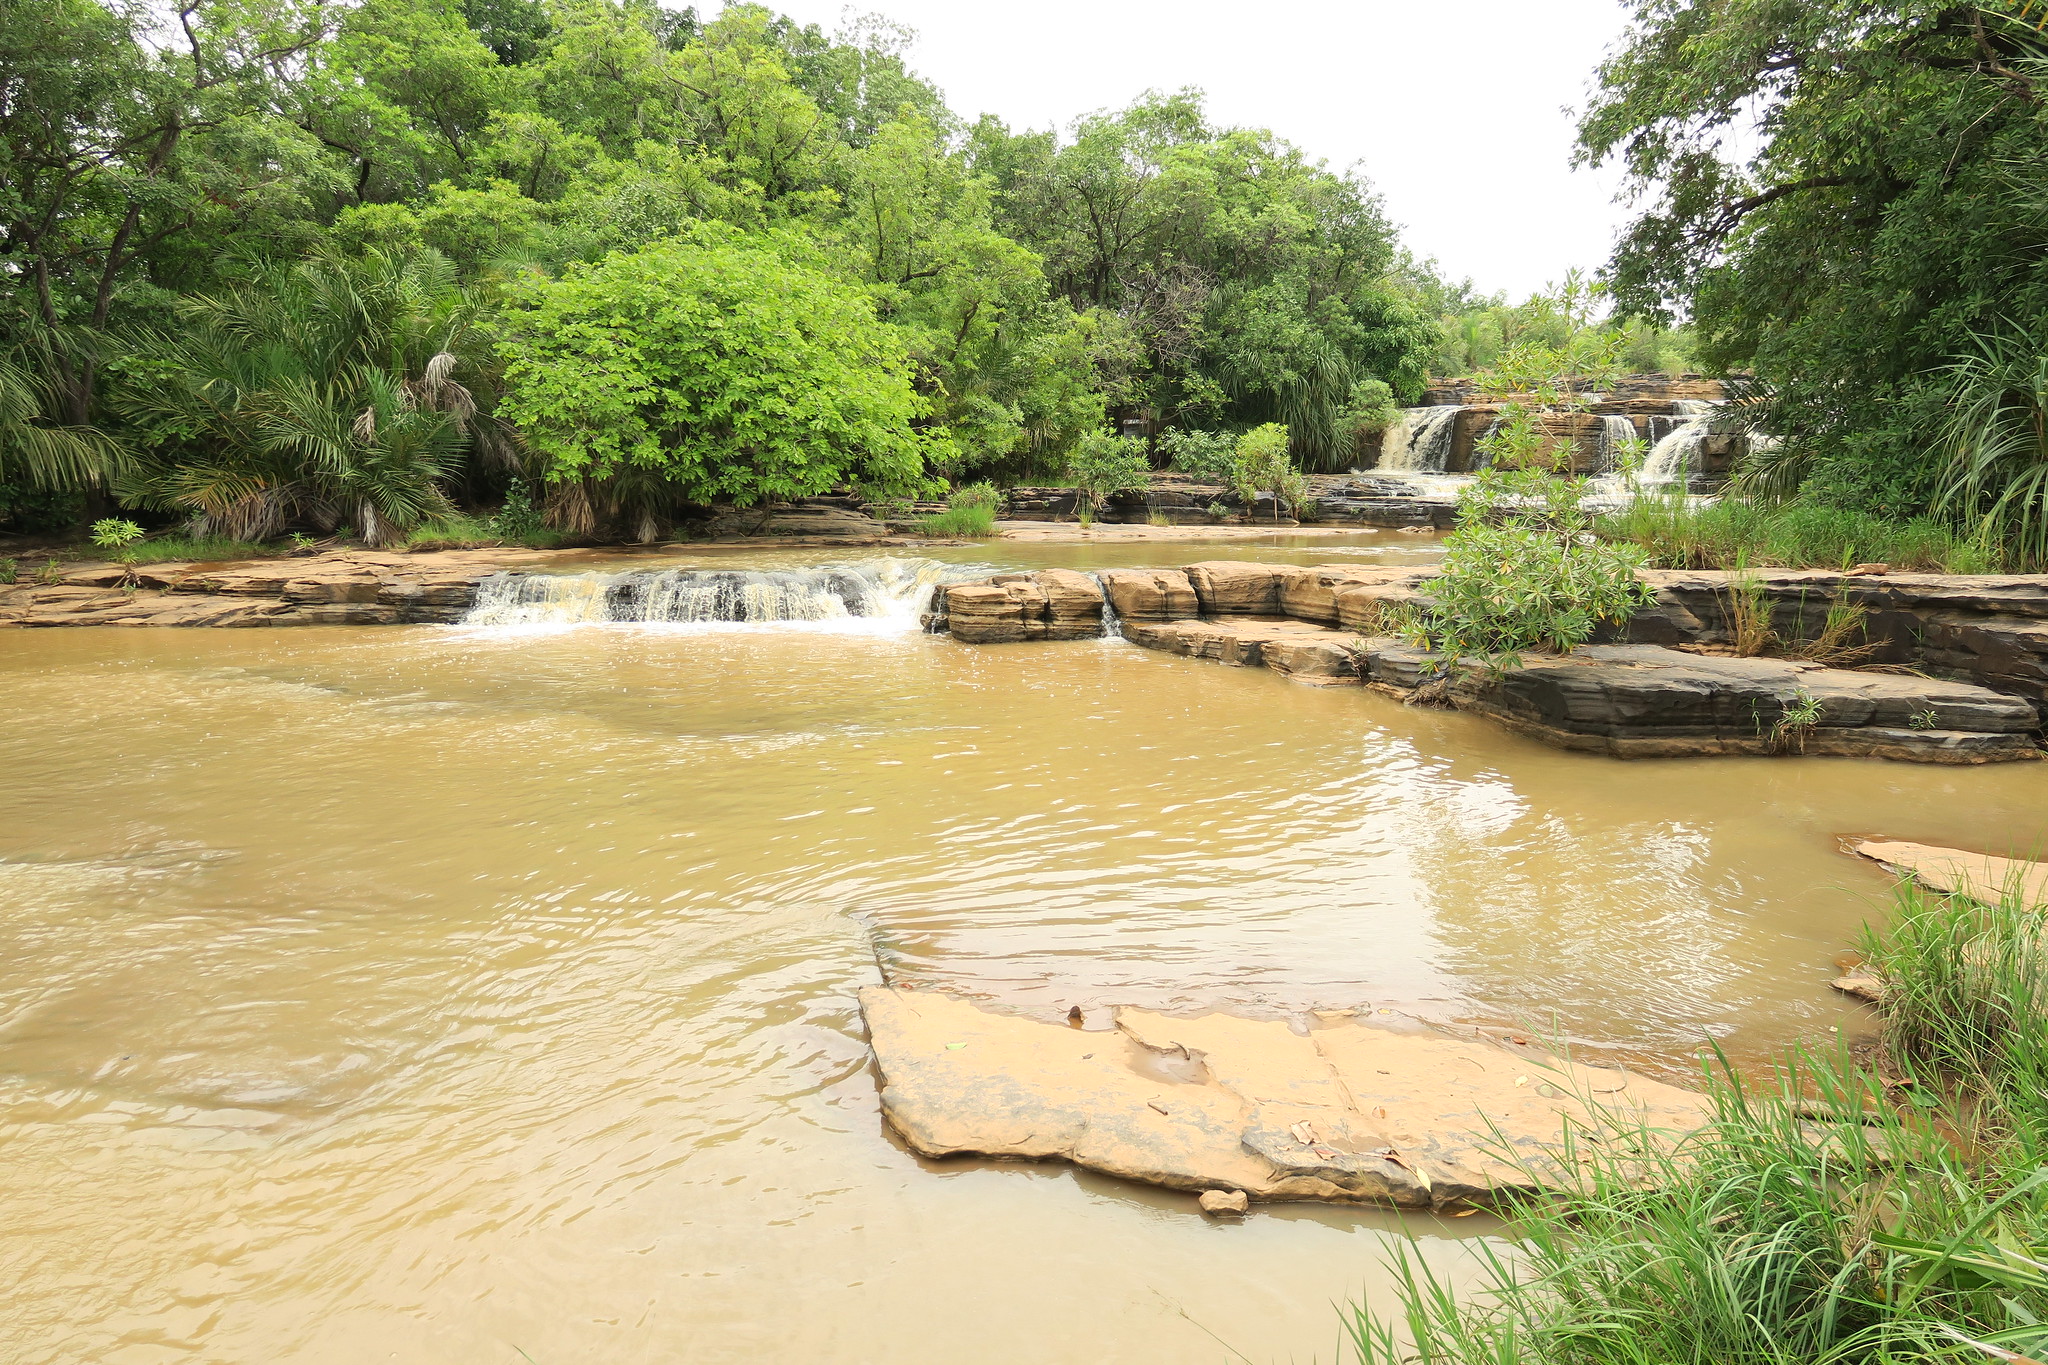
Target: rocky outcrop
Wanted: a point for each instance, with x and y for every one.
(1150, 594)
(1645, 701)
(1052, 604)
(1329, 1108)
(821, 518)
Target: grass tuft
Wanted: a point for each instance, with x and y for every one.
(1732, 533)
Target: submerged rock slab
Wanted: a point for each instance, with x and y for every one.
(1955, 871)
(1341, 1111)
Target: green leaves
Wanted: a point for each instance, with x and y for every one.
(718, 363)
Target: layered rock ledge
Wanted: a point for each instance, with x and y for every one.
(1965, 659)
(1326, 1108)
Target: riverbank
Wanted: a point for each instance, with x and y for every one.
(1928, 668)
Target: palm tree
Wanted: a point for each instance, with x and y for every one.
(37, 451)
(333, 391)
(1996, 441)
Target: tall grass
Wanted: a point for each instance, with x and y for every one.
(1837, 1212)
(970, 511)
(178, 548)
(1733, 533)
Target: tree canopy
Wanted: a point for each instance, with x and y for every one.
(166, 169)
(1847, 199)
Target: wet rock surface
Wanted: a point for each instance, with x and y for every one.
(1955, 871)
(1331, 1108)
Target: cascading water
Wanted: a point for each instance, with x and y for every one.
(1614, 430)
(1673, 460)
(1112, 624)
(879, 596)
(1419, 441)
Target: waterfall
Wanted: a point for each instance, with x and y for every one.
(1614, 430)
(1672, 459)
(1112, 624)
(1419, 440)
(882, 595)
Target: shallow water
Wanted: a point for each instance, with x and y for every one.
(437, 994)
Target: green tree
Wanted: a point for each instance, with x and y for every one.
(720, 365)
(1888, 210)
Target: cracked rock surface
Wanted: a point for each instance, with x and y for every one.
(1339, 1110)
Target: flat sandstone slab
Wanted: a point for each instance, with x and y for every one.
(1953, 871)
(1344, 1111)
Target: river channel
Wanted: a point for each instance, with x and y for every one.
(486, 993)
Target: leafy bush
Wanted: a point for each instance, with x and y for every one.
(1103, 466)
(1522, 572)
(1371, 409)
(1262, 465)
(718, 363)
(517, 518)
(1204, 454)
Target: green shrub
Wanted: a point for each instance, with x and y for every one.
(517, 518)
(1522, 573)
(1102, 466)
(1204, 454)
(1262, 465)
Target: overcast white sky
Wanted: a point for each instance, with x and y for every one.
(1454, 110)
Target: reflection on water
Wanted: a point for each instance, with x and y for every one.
(429, 993)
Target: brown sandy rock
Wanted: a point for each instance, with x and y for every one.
(1052, 604)
(1295, 649)
(1150, 594)
(1954, 871)
(1229, 588)
(1339, 1111)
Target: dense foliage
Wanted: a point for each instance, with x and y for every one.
(197, 198)
(728, 372)
(1847, 197)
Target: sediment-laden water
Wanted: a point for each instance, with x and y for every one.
(447, 993)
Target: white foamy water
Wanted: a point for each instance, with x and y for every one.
(872, 597)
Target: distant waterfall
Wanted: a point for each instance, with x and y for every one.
(1614, 430)
(882, 594)
(1419, 440)
(1675, 459)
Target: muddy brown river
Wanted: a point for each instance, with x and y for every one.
(485, 994)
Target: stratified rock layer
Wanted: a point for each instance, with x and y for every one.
(1644, 701)
(1339, 1111)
